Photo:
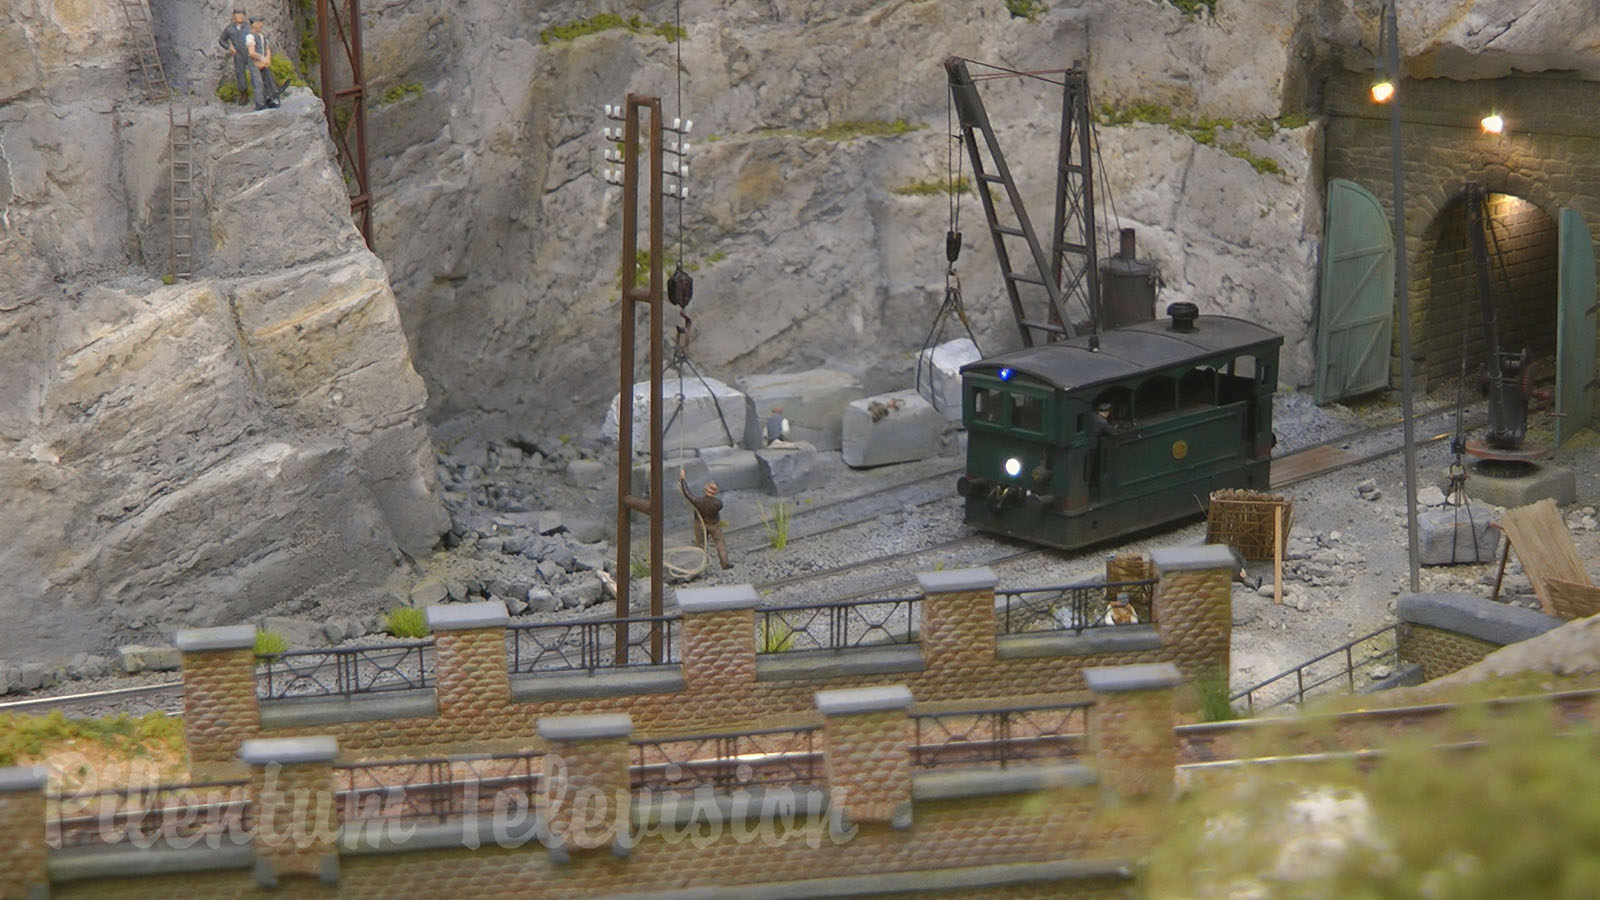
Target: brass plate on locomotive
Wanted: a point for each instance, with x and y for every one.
(1180, 449)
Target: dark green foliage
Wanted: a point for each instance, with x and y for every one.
(1026, 9)
(571, 31)
(24, 736)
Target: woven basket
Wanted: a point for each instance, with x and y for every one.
(1243, 520)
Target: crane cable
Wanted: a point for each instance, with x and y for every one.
(953, 303)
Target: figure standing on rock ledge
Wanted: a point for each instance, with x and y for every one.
(261, 66)
(708, 517)
(233, 40)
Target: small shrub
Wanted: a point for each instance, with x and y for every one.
(777, 636)
(934, 186)
(1025, 9)
(29, 737)
(402, 91)
(269, 642)
(1214, 705)
(406, 622)
(571, 31)
(776, 525)
(639, 566)
(283, 72)
(859, 128)
(1193, 8)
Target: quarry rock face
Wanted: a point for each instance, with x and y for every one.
(190, 453)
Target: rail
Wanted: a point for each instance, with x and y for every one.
(768, 757)
(1075, 607)
(436, 788)
(837, 625)
(187, 814)
(588, 645)
(1301, 673)
(1000, 737)
(343, 671)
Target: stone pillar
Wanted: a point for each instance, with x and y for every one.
(470, 654)
(958, 627)
(1193, 607)
(220, 709)
(867, 748)
(291, 783)
(1130, 728)
(719, 636)
(587, 787)
(23, 852)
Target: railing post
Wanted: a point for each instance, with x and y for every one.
(1130, 728)
(220, 708)
(296, 821)
(1193, 607)
(473, 684)
(23, 853)
(719, 636)
(586, 788)
(958, 627)
(867, 752)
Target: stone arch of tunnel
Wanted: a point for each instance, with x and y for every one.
(1548, 159)
(1523, 252)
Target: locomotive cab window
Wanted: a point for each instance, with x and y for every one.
(1027, 412)
(988, 405)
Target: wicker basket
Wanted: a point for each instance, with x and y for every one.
(1243, 521)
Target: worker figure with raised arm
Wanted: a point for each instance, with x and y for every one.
(233, 40)
(260, 52)
(708, 517)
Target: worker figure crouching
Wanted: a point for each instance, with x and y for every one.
(708, 517)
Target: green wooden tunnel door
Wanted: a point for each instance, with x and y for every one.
(1356, 316)
(1575, 329)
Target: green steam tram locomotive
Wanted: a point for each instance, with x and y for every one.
(1077, 441)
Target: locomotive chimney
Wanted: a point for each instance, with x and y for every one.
(1126, 250)
(1183, 315)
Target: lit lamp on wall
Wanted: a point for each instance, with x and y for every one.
(1382, 90)
(1493, 123)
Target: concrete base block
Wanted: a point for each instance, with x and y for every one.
(812, 401)
(696, 425)
(788, 470)
(1446, 537)
(946, 361)
(1559, 484)
(890, 428)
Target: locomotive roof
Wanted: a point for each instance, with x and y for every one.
(1126, 352)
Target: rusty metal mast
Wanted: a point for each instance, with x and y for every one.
(651, 296)
(349, 131)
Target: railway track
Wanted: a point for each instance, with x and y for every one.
(1309, 462)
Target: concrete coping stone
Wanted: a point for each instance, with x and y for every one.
(1486, 620)
(17, 779)
(580, 728)
(959, 784)
(848, 701)
(1142, 677)
(112, 861)
(717, 599)
(1183, 559)
(957, 581)
(466, 616)
(288, 751)
(974, 880)
(227, 637)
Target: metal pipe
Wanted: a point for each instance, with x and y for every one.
(1403, 290)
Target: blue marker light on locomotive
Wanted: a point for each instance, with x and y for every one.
(1006, 373)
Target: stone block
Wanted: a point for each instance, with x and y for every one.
(788, 470)
(467, 616)
(812, 401)
(695, 468)
(1475, 617)
(1449, 537)
(890, 428)
(940, 370)
(713, 414)
(1552, 482)
(301, 634)
(732, 470)
(585, 472)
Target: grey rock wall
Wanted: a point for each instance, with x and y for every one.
(198, 452)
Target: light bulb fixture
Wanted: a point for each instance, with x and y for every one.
(1013, 467)
(1493, 123)
(1382, 90)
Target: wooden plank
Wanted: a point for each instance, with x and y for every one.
(1277, 555)
(1544, 546)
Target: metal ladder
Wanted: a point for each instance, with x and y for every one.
(181, 189)
(150, 75)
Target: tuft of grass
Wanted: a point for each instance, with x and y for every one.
(29, 737)
(1194, 8)
(933, 187)
(639, 566)
(169, 279)
(406, 622)
(402, 91)
(776, 636)
(1026, 9)
(571, 31)
(1293, 121)
(1213, 690)
(851, 129)
(776, 524)
(1263, 164)
(1203, 130)
(269, 642)
(284, 73)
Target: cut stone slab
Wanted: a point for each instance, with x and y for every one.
(732, 470)
(788, 470)
(696, 425)
(812, 401)
(945, 362)
(1554, 482)
(1447, 537)
(907, 429)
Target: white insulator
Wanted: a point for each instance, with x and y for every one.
(675, 122)
(685, 150)
(688, 126)
(683, 193)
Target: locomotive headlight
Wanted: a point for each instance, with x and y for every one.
(1013, 467)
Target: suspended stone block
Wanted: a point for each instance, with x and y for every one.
(942, 364)
(1448, 537)
(697, 425)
